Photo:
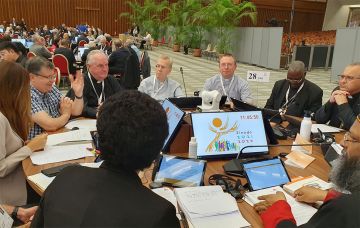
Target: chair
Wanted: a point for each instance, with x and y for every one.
(148, 44)
(62, 63)
(82, 43)
(206, 52)
(30, 54)
(58, 77)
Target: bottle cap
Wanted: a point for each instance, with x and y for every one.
(307, 113)
(193, 139)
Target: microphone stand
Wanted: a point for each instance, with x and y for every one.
(182, 76)
(234, 166)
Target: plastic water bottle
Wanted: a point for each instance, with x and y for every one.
(193, 148)
(305, 128)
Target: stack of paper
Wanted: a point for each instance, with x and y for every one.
(85, 124)
(41, 180)
(302, 212)
(52, 154)
(312, 181)
(209, 206)
(324, 128)
(298, 159)
(69, 136)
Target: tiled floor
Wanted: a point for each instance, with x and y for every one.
(197, 70)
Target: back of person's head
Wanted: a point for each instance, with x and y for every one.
(65, 43)
(132, 128)
(15, 102)
(92, 44)
(297, 66)
(38, 39)
(117, 43)
(21, 48)
(35, 64)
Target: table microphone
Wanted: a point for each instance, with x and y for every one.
(234, 166)
(182, 76)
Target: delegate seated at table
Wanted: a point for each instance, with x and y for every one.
(132, 128)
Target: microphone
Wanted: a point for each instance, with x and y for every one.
(234, 166)
(283, 108)
(182, 76)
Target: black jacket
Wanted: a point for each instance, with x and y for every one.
(342, 116)
(309, 98)
(88, 197)
(69, 56)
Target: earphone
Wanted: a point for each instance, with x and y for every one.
(228, 184)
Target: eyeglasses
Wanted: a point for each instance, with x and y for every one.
(294, 80)
(347, 138)
(50, 78)
(347, 78)
(227, 64)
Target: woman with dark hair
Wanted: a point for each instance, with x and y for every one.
(15, 123)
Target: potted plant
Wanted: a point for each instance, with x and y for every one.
(223, 16)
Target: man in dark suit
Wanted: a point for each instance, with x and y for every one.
(295, 94)
(132, 128)
(64, 49)
(102, 45)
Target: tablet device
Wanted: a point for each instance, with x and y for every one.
(266, 173)
(174, 117)
(29, 44)
(179, 171)
(186, 102)
(224, 134)
(53, 171)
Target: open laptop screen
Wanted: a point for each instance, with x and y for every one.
(224, 134)
(23, 41)
(174, 117)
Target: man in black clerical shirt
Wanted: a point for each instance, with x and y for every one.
(98, 85)
(295, 94)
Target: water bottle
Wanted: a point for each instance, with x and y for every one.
(193, 148)
(305, 129)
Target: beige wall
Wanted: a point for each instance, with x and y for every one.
(337, 12)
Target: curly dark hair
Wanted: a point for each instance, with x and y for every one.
(132, 128)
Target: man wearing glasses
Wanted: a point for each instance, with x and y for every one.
(339, 209)
(295, 94)
(160, 86)
(50, 110)
(344, 104)
(227, 83)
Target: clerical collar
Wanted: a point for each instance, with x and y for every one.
(94, 79)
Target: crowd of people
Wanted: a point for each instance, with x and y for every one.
(132, 127)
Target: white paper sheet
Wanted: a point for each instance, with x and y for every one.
(324, 128)
(53, 154)
(69, 136)
(5, 220)
(85, 124)
(41, 180)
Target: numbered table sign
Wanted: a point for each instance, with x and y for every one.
(258, 76)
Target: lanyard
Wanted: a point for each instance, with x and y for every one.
(157, 91)
(293, 97)
(102, 91)
(222, 85)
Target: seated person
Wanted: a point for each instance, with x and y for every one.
(295, 94)
(49, 109)
(117, 59)
(91, 46)
(39, 49)
(147, 38)
(102, 46)
(227, 83)
(64, 49)
(98, 85)
(9, 52)
(339, 209)
(160, 86)
(15, 122)
(344, 102)
(132, 128)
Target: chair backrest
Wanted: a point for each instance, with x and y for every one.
(208, 48)
(30, 54)
(62, 63)
(58, 76)
(82, 43)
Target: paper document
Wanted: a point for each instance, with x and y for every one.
(302, 212)
(53, 154)
(299, 159)
(209, 206)
(312, 181)
(91, 164)
(70, 136)
(5, 220)
(167, 194)
(85, 124)
(41, 180)
(303, 149)
(324, 128)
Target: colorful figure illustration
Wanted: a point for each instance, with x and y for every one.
(220, 130)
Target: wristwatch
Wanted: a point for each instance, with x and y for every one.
(14, 213)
